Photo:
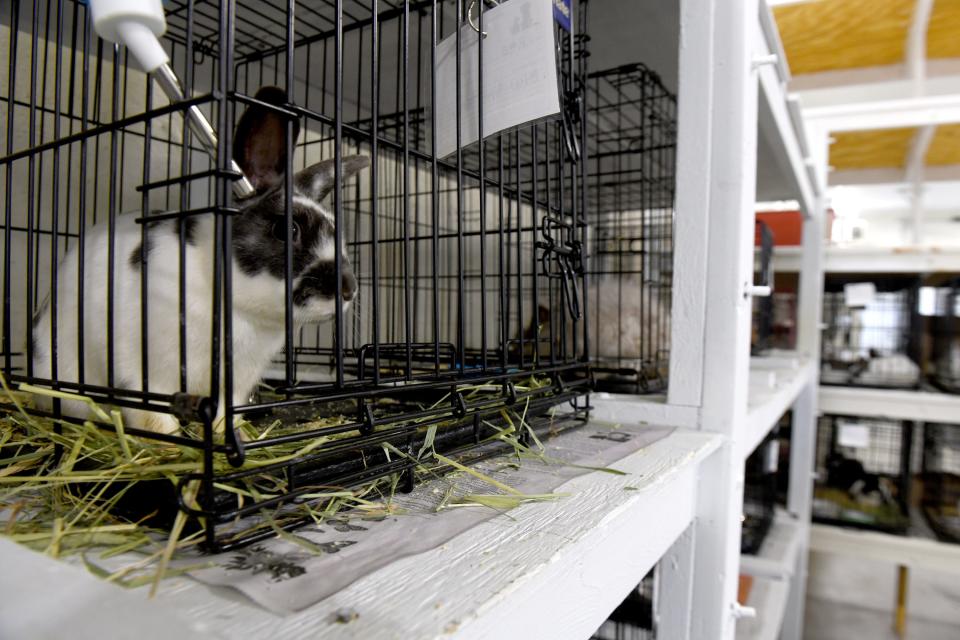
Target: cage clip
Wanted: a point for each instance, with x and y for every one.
(459, 404)
(510, 392)
(366, 418)
(473, 3)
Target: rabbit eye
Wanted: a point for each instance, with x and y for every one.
(280, 231)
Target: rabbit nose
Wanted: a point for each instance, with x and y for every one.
(348, 286)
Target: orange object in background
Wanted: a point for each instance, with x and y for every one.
(743, 589)
(787, 226)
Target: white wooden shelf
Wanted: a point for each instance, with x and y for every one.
(870, 545)
(780, 123)
(874, 259)
(552, 569)
(775, 382)
(650, 409)
(769, 598)
(777, 558)
(895, 404)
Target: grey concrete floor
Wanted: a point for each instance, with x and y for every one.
(832, 620)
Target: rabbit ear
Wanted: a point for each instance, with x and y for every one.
(260, 142)
(316, 181)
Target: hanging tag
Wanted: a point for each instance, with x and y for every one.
(519, 73)
(853, 435)
(859, 294)
(563, 12)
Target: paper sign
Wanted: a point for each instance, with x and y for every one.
(859, 294)
(562, 12)
(854, 435)
(519, 73)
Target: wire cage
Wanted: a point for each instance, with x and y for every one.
(631, 139)
(376, 288)
(941, 479)
(759, 494)
(863, 473)
(634, 618)
(763, 306)
(939, 306)
(872, 336)
(783, 431)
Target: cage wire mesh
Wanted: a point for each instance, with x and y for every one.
(635, 617)
(941, 479)
(448, 261)
(763, 306)
(759, 493)
(863, 473)
(871, 341)
(632, 136)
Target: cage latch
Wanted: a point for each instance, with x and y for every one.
(567, 256)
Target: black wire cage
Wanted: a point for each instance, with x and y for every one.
(635, 617)
(939, 306)
(632, 137)
(759, 494)
(763, 306)
(863, 473)
(941, 479)
(411, 298)
(872, 336)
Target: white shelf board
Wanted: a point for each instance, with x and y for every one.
(895, 404)
(769, 598)
(918, 553)
(551, 569)
(776, 381)
(874, 259)
(777, 557)
(650, 409)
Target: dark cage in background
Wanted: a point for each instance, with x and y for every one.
(941, 479)
(939, 307)
(631, 142)
(763, 306)
(872, 336)
(635, 617)
(863, 473)
(759, 493)
(447, 261)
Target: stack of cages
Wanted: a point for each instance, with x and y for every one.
(381, 292)
(940, 477)
(863, 473)
(872, 336)
(760, 493)
(631, 139)
(939, 309)
(635, 617)
(762, 334)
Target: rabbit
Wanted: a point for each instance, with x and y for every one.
(849, 475)
(258, 238)
(621, 325)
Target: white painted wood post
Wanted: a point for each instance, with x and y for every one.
(729, 261)
(804, 428)
(694, 124)
(675, 588)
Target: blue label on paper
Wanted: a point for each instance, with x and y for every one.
(563, 13)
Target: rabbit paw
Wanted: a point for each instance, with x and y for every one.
(161, 423)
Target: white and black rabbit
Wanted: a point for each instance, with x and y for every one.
(259, 233)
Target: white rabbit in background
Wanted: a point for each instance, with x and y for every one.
(258, 235)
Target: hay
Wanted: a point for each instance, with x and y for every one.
(67, 505)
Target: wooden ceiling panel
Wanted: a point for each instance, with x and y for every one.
(943, 35)
(945, 146)
(879, 149)
(845, 34)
